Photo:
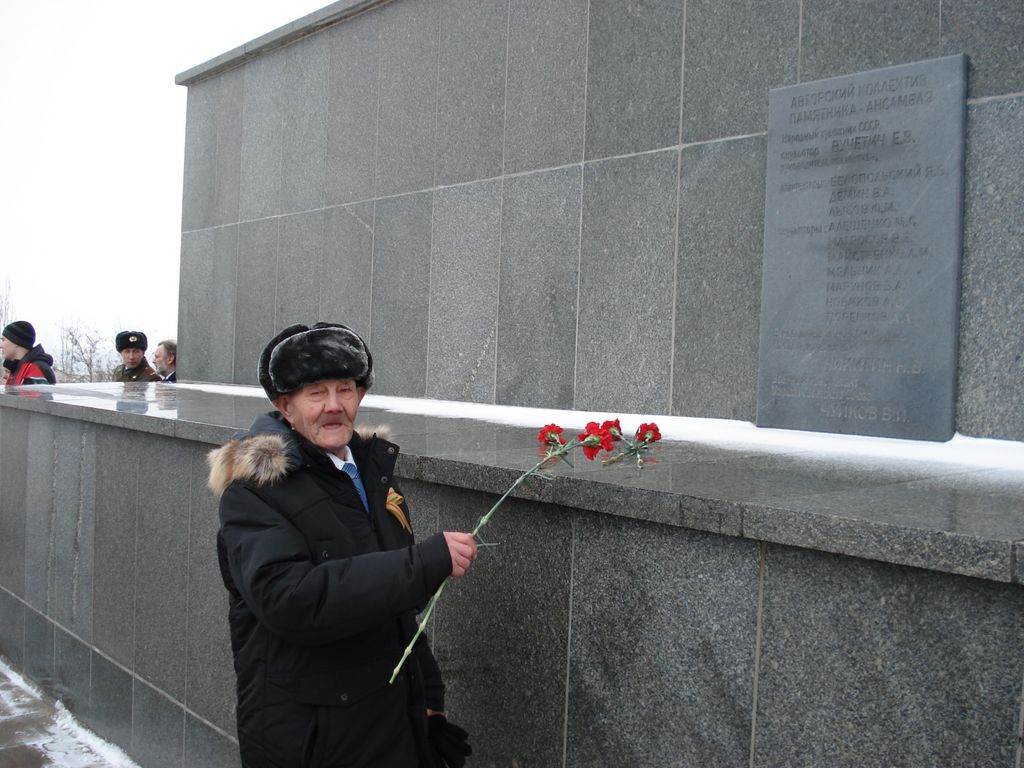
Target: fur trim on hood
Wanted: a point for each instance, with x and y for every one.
(263, 458)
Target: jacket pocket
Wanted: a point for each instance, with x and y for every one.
(343, 687)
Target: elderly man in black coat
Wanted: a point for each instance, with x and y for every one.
(324, 576)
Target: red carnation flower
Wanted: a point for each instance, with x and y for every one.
(552, 433)
(613, 428)
(648, 433)
(596, 439)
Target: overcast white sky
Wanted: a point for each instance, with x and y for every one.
(92, 142)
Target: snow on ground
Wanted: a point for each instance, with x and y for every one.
(961, 450)
(50, 729)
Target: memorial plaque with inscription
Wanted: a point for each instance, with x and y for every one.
(862, 239)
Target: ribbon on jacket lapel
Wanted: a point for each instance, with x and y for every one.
(394, 506)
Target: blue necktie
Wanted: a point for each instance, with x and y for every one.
(352, 471)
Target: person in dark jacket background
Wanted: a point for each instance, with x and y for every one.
(26, 361)
(131, 345)
(324, 576)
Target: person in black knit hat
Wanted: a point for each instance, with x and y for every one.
(25, 361)
(131, 345)
(324, 576)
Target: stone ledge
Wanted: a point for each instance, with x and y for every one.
(278, 38)
(951, 518)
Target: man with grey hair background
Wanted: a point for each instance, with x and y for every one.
(165, 360)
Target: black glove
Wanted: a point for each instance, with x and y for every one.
(448, 742)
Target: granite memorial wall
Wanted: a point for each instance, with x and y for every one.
(722, 607)
(511, 199)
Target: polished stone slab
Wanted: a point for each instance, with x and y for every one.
(627, 252)
(721, 235)
(990, 385)
(875, 33)
(634, 71)
(864, 663)
(157, 727)
(72, 683)
(299, 260)
(114, 546)
(471, 68)
(207, 747)
(208, 266)
(257, 276)
(71, 563)
(539, 275)
(860, 292)
(304, 145)
(209, 673)
(643, 595)
(40, 515)
(213, 133)
(13, 466)
(517, 642)
(352, 109)
(545, 84)
(161, 565)
(990, 35)
(407, 98)
(260, 181)
(346, 268)
(735, 52)
(401, 294)
(12, 627)
(464, 256)
(110, 710)
(39, 648)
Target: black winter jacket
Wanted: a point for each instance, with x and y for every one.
(322, 602)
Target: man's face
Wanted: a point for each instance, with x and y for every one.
(131, 357)
(324, 412)
(9, 348)
(161, 361)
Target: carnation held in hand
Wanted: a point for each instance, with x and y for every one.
(554, 447)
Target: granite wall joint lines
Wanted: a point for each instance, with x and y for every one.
(543, 87)
(709, 584)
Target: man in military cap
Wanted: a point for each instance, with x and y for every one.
(131, 345)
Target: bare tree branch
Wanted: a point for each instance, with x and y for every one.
(83, 355)
(6, 306)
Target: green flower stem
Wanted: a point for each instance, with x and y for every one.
(553, 453)
(487, 518)
(419, 631)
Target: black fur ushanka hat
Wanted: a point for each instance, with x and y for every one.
(300, 355)
(131, 340)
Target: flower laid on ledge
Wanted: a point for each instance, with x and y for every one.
(554, 448)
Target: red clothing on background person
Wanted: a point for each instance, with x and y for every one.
(34, 368)
(26, 361)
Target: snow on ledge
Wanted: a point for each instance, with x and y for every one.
(961, 450)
